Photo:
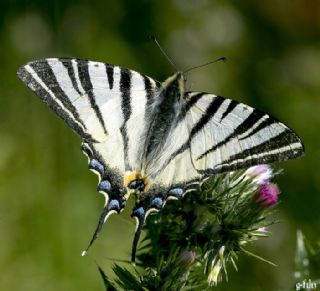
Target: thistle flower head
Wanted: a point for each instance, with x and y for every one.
(260, 174)
(267, 195)
(218, 221)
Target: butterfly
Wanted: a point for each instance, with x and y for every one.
(151, 138)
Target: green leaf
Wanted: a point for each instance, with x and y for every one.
(126, 279)
(107, 283)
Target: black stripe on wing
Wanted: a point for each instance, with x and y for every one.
(46, 74)
(38, 89)
(125, 86)
(284, 139)
(68, 65)
(206, 117)
(85, 79)
(193, 100)
(287, 145)
(109, 70)
(232, 105)
(190, 103)
(264, 124)
(248, 123)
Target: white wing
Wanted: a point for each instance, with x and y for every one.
(95, 99)
(221, 134)
(106, 105)
(227, 135)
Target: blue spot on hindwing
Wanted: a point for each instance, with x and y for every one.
(157, 202)
(104, 185)
(97, 166)
(114, 205)
(139, 212)
(176, 192)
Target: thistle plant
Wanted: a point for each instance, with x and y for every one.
(191, 243)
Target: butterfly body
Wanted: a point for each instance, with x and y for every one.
(153, 138)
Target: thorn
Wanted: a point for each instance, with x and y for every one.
(83, 253)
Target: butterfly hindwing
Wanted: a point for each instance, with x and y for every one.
(110, 185)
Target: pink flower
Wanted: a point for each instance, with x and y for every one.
(267, 195)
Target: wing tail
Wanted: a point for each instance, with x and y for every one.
(113, 206)
(110, 185)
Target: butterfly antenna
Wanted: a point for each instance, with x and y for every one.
(224, 59)
(164, 53)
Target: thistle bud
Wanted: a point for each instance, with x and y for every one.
(267, 195)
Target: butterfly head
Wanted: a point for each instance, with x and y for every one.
(177, 80)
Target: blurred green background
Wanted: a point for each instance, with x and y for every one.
(48, 203)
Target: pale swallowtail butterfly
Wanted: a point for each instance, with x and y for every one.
(150, 137)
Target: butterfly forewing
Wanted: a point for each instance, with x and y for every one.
(89, 96)
(227, 135)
